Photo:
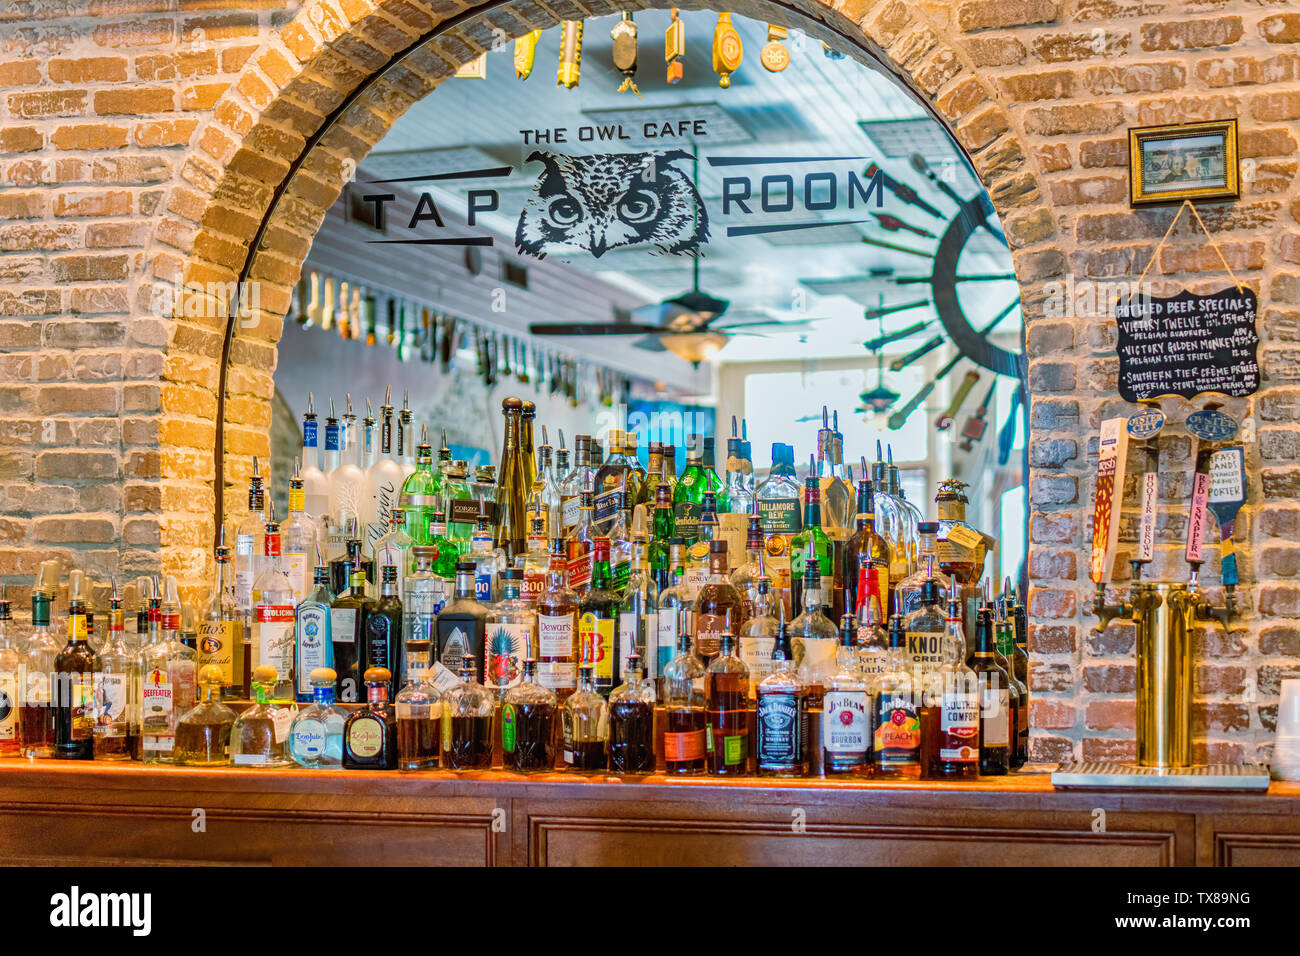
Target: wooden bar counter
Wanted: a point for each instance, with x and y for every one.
(99, 813)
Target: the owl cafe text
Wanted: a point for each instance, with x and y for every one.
(690, 129)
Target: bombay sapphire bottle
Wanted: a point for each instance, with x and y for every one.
(312, 632)
(316, 734)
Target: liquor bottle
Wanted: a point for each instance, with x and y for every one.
(347, 622)
(528, 450)
(369, 734)
(865, 550)
(418, 708)
(683, 695)
(745, 577)
(260, 734)
(311, 626)
(1004, 654)
(383, 632)
(74, 670)
(636, 471)
(584, 720)
(11, 679)
(203, 732)
(778, 505)
(719, 608)
(995, 703)
(813, 636)
(598, 610)
(528, 724)
(222, 640)
(611, 478)
(423, 599)
(346, 478)
(535, 562)
(873, 639)
(911, 515)
(421, 493)
(1019, 671)
(513, 485)
(739, 473)
(484, 494)
(394, 547)
(249, 545)
(405, 441)
(169, 676)
(846, 710)
(557, 630)
(897, 745)
(459, 505)
(467, 722)
(621, 543)
(812, 544)
(925, 632)
(781, 715)
(891, 523)
(662, 534)
(698, 566)
(578, 546)
(726, 689)
(676, 606)
(316, 733)
(909, 589)
(508, 640)
(638, 614)
(299, 548)
(712, 482)
(648, 494)
(273, 604)
(960, 547)
(950, 719)
(488, 559)
(546, 490)
(597, 455)
(462, 623)
(384, 478)
(36, 721)
(152, 635)
(688, 496)
(758, 635)
(581, 478)
(631, 721)
(837, 497)
(314, 483)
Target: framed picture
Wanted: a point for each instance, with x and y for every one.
(1196, 161)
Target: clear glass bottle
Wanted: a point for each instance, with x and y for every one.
(846, 710)
(347, 479)
(781, 715)
(546, 490)
(11, 672)
(74, 667)
(719, 607)
(909, 515)
(316, 733)
(510, 635)
(169, 675)
(726, 689)
(488, 560)
(423, 600)
(891, 523)
(638, 613)
(812, 634)
(745, 577)
(698, 564)
(249, 547)
(37, 714)
(418, 707)
(676, 606)
(260, 735)
(925, 633)
(739, 473)
(950, 719)
(909, 589)
(315, 640)
(203, 732)
(866, 553)
(528, 714)
(405, 440)
(683, 694)
(462, 624)
(394, 547)
(298, 542)
(467, 722)
(581, 478)
(535, 562)
(384, 480)
(777, 498)
(273, 605)
(370, 734)
(223, 642)
(459, 505)
(631, 721)
(872, 642)
(149, 623)
(758, 635)
(584, 718)
(314, 483)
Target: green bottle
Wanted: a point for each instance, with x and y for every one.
(688, 497)
(421, 492)
(715, 484)
(661, 534)
(809, 541)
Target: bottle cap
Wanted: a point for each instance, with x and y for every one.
(927, 527)
(418, 645)
(465, 567)
(264, 674)
(78, 591)
(322, 676)
(389, 574)
(377, 675)
(512, 574)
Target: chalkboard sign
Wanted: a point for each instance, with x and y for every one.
(1187, 344)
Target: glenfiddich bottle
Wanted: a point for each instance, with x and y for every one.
(631, 721)
(726, 683)
(370, 734)
(719, 608)
(995, 703)
(781, 721)
(74, 669)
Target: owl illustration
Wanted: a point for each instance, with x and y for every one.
(612, 201)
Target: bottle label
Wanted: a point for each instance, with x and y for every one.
(343, 625)
(756, 652)
(156, 708)
(309, 433)
(898, 735)
(8, 705)
(557, 675)
(454, 649)
(467, 510)
(555, 635)
(110, 704)
(281, 721)
(442, 678)
(925, 651)
(667, 622)
(380, 649)
(846, 722)
(781, 516)
(735, 750)
(708, 635)
(297, 499)
(313, 631)
(580, 570)
(688, 745)
(780, 728)
(696, 574)
(604, 507)
(910, 599)
(308, 738)
(392, 554)
(734, 529)
(959, 727)
(995, 713)
(534, 583)
(505, 646)
(484, 577)
(635, 630)
(686, 519)
(273, 625)
(81, 700)
(596, 638)
(366, 737)
(218, 643)
(570, 513)
(508, 728)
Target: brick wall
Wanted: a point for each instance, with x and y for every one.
(141, 142)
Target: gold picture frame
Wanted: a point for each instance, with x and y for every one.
(1196, 161)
